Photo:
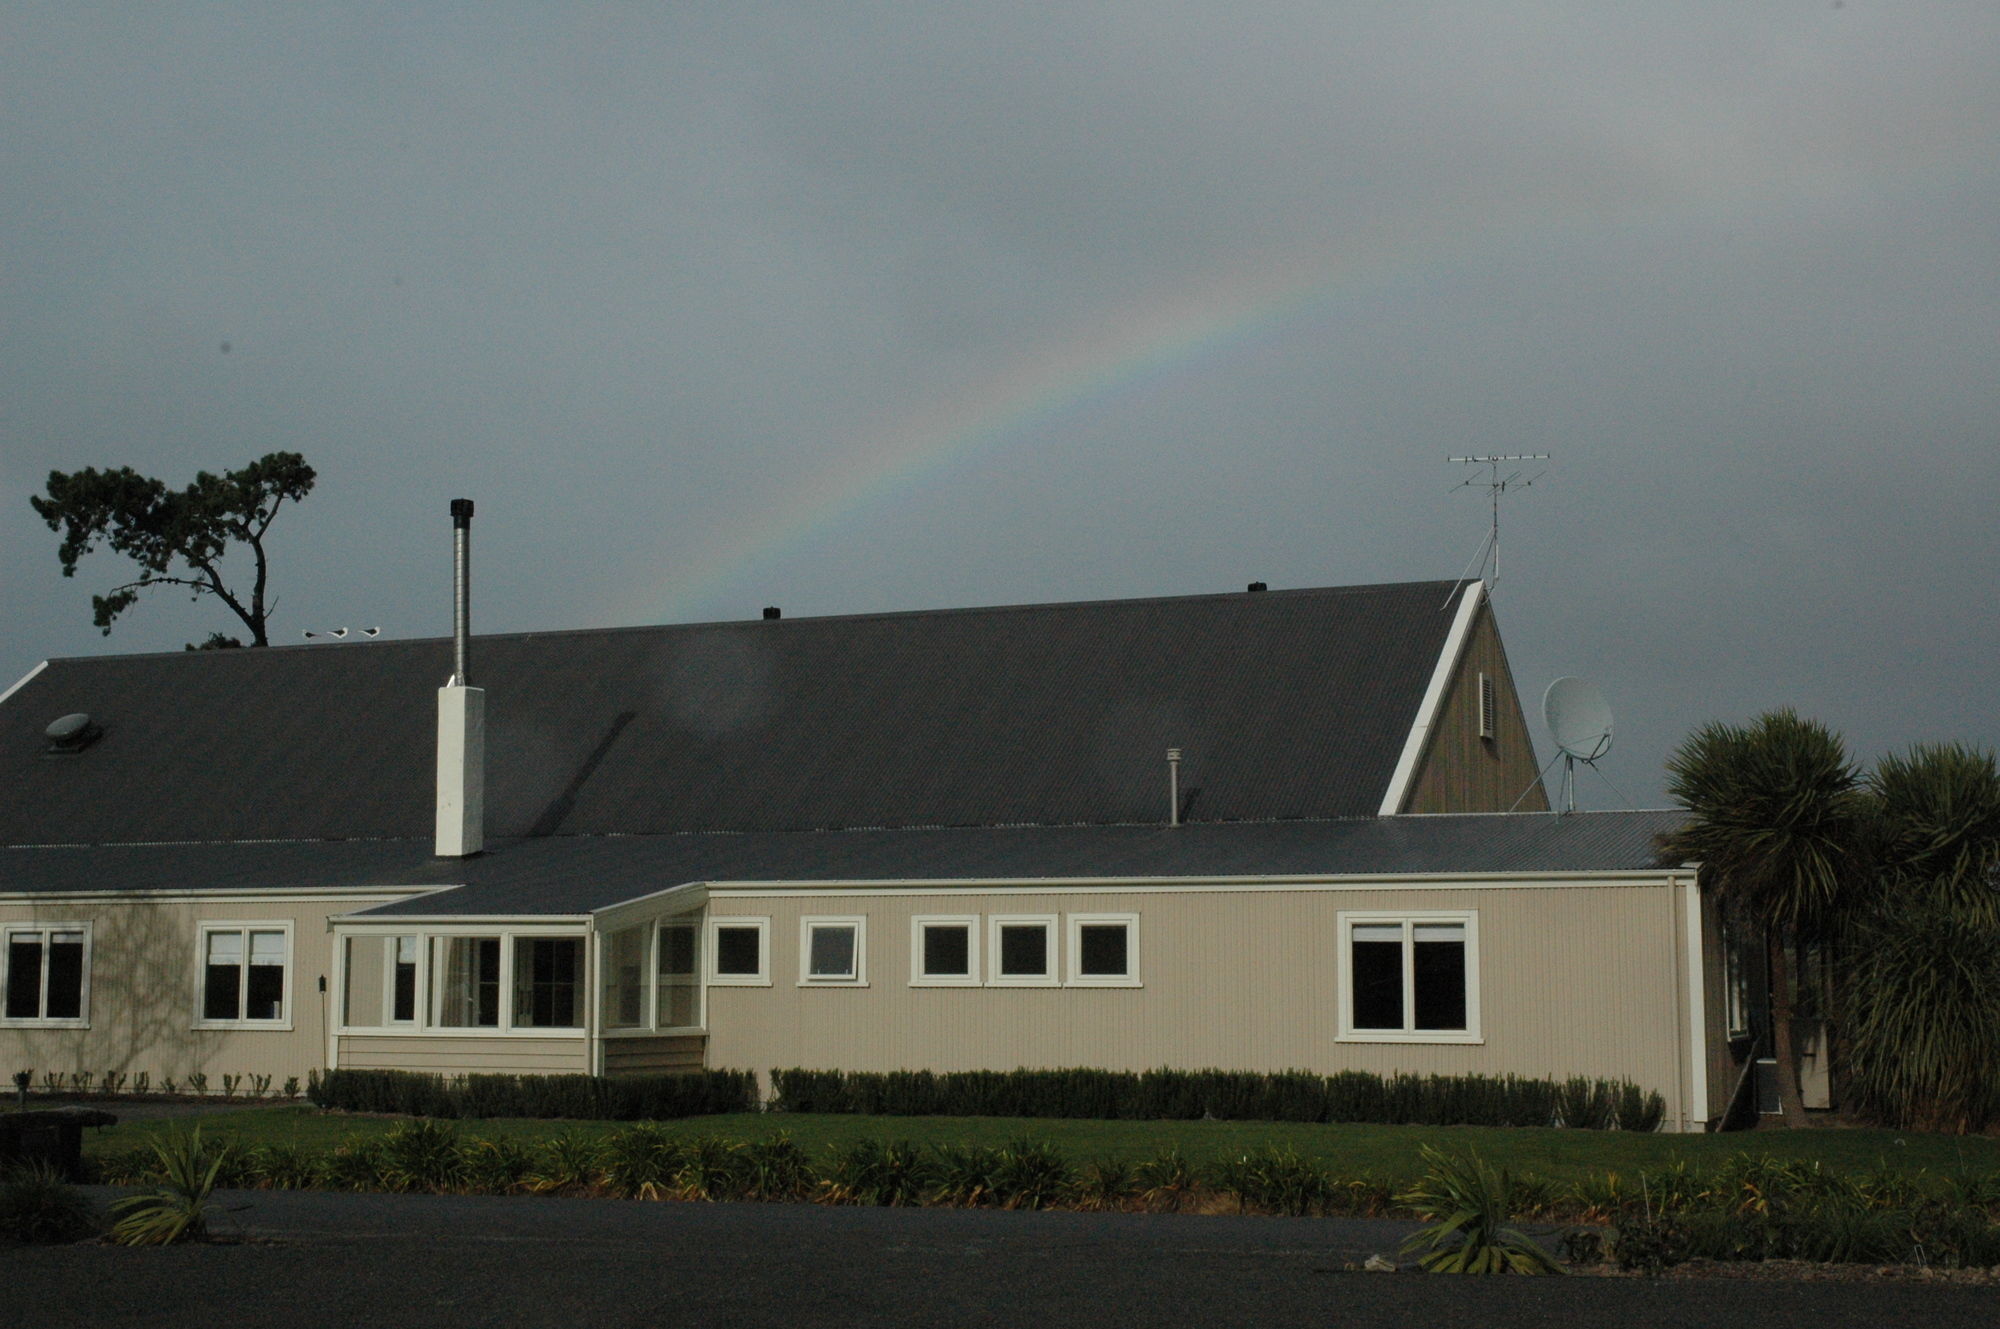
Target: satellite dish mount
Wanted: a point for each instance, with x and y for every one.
(1580, 720)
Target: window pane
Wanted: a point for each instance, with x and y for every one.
(1024, 950)
(1101, 950)
(739, 952)
(403, 996)
(65, 1000)
(468, 982)
(1379, 932)
(625, 979)
(947, 950)
(1440, 975)
(361, 1004)
(831, 952)
(24, 976)
(545, 982)
(222, 979)
(1378, 980)
(266, 997)
(677, 950)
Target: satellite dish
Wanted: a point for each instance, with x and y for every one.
(1580, 719)
(1578, 716)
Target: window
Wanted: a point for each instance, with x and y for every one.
(624, 979)
(381, 983)
(548, 980)
(465, 972)
(1410, 977)
(47, 970)
(741, 950)
(246, 974)
(831, 952)
(942, 950)
(1021, 949)
(1104, 950)
(680, 973)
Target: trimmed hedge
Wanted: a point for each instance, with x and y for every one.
(580, 1097)
(1350, 1096)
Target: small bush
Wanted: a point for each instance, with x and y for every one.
(875, 1172)
(573, 1097)
(39, 1208)
(1276, 1181)
(176, 1209)
(1466, 1204)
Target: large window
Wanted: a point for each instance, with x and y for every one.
(741, 952)
(944, 950)
(47, 973)
(624, 979)
(1411, 977)
(245, 974)
(465, 976)
(680, 972)
(381, 985)
(831, 952)
(1022, 950)
(1104, 950)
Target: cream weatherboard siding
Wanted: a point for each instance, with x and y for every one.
(144, 984)
(456, 1054)
(1581, 978)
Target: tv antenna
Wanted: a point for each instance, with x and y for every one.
(1580, 721)
(1495, 485)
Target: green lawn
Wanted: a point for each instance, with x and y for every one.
(1381, 1152)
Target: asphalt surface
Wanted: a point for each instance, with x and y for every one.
(361, 1260)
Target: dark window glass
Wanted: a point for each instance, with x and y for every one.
(832, 952)
(222, 981)
(545, 988)
(1101, 950)
(1440, 974)
(739, 952)
(265, 998)
(1378, 979)
(677, 948)
(947, 950)
(66, 976)
(403, 1005)
(24, 978)
(1024, 950)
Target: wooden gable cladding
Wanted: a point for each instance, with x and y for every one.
(1460, 771)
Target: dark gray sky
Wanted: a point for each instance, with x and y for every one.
(891, 306)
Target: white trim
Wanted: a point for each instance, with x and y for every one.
(379, 894)
(82, 1018)
(1246, 885)
(207, 927)
(25, 680)
(857, 979)
(569, 925)
(1052, 973)
(1074, 925)
(1697, 1012)
(760, 979)
(921, 979)
(1344, 924)
(1427, 711)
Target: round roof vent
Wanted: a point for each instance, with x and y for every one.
(72, 733)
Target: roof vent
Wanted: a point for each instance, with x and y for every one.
(1258, 586)
(72, 733)
(772, 611)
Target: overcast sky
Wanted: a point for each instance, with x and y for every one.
(878, 306)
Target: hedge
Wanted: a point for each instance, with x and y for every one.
(582, 1097)
(1350, 1096)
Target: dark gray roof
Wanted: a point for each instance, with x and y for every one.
(578, 874)
(1287, 704)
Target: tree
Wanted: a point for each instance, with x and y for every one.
(177, 537)
(1776, 820)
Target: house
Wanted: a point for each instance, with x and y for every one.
(1256, 831)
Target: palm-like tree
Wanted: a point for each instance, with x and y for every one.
(1938, 828)
(1776, 821)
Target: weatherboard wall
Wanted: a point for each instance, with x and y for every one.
(1461, 771)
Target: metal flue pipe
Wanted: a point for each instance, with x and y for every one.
(461, 590)
(1173, 786)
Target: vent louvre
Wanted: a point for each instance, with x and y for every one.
(1489, 707)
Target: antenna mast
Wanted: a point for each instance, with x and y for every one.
(1496, 485)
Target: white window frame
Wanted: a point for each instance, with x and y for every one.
(48, 930)
(760, 979)
(1079, 979)
(921, 979)
(1348, 919)
(206, 928)
(696, 981)
(339, 980)
(428, 991)
(859, 978)
(995, 978)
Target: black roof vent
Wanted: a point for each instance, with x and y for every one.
(772, 611)
(1258, 586)
(72, 733)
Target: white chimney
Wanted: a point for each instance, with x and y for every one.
(461, 747)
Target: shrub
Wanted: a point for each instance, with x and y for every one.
(1466, 1204)
(1031, 1175)
(1276, 1181)
(576, 1097)
(420, 1155)
(1923, 1008)
(640, 1162)
(39, 1208)
(879, 1173)
(1166, 1181)
(777, 1169)
(176, 1209)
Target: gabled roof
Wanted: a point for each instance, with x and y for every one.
(574, 875)
(1286, 704)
